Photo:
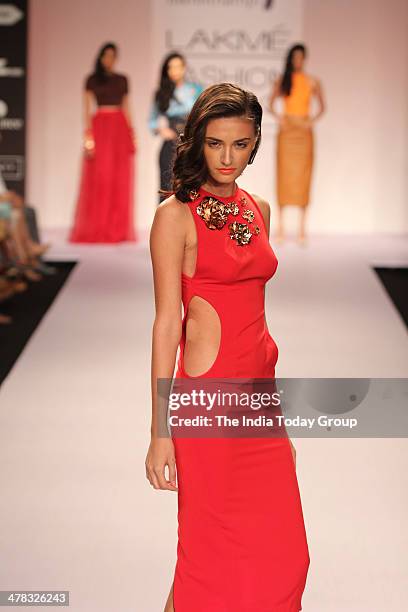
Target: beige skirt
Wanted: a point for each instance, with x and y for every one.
(294, 161)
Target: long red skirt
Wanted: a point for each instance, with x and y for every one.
(104, 211)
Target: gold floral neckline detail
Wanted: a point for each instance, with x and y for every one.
(215, 214)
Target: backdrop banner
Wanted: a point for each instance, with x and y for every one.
(13, 62)
(240, 41)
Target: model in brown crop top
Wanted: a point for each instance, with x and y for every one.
(109, 92)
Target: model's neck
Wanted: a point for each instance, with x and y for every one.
(224, 190)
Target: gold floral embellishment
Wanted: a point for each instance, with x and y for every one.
(234, 208)
(248, 215)
(193, 195)
(213, 212)
(240, 232)
(215, 215)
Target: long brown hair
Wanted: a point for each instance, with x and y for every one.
(220, 100)
(286, 83)
(166, 88)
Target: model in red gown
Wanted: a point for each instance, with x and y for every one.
(104, 209)
(242, 544)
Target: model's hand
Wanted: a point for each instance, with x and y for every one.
(167, 133)
(293, 449)
(89, 144)
(160, 454)
(133, 139)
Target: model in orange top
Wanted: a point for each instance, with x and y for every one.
(295, 141)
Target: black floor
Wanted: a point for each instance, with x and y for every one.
(27, 310)
(395, 281)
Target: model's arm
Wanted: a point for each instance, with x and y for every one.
(318, 92)
(128, 115)
(167, 244)
(153, 121)
(125, 103)
(154, 124)
(88, 101)
(126, 110)
(276, 93)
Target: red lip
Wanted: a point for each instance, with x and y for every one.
(226, 170)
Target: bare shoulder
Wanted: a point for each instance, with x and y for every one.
(264, 207)
(168, 233)
(169, 222)
(171, 210)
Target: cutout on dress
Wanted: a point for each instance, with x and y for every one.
(203, 337)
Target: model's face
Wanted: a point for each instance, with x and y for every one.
(298, 59)
(108, 59)
(228, 144)
(176, 69)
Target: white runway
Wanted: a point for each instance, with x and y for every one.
(78, 513)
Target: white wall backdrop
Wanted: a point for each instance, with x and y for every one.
(64, 37)
(240, 42)
(359, 50)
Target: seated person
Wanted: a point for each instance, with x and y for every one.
(23, 248)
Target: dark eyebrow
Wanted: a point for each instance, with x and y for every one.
(218, 140)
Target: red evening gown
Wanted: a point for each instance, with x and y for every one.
(104, 210)
(242, 543)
